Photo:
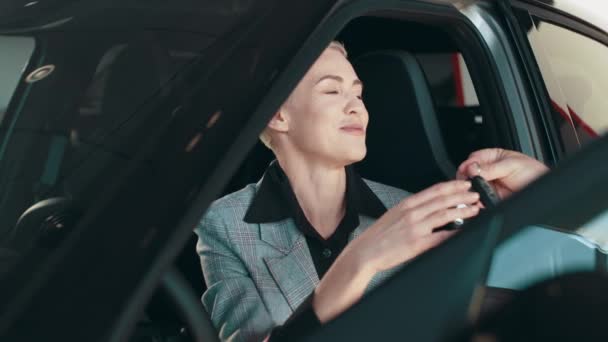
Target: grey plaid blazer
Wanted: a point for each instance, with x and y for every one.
(258, 274)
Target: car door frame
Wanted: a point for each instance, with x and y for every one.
(553, 15)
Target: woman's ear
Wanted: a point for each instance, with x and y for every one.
(279, 122)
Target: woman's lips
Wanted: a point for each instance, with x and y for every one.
(355, 130)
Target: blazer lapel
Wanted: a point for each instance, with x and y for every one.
(294, 271)
(281, 235)
(364, 223)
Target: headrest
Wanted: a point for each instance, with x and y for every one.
(405, 147)
(127, 76)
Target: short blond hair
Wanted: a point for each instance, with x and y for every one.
(265, 137)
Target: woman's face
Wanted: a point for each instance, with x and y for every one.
(325, 115)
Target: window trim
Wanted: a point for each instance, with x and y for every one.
(536, 83)
(563, 19)
(507, 70)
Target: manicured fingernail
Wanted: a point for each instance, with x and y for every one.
(475, 169)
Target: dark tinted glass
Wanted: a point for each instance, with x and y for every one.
(70, 133)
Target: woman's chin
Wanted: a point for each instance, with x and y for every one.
(353, 156)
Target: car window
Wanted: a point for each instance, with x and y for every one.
(457, 105)
(16, 53)
(449, 79)
(573, 67)
(59, 152)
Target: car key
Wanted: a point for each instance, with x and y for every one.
(487, 194)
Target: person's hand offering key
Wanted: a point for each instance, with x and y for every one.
(506, 171)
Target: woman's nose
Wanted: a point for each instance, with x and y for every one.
(355, 106)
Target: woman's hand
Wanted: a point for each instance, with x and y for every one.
(406, 230)
(402, 233)
(508, 171)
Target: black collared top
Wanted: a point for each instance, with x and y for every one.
(276, 201)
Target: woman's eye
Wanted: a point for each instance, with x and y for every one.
(360, 97)
(332, 92)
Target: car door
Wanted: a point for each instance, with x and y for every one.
(119, 185)
(568, 85)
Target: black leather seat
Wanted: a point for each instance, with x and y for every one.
(405, 147)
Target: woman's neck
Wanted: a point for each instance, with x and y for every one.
(320, 190)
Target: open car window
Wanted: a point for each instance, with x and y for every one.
(460, 116)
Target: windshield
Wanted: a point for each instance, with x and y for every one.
(75, 108)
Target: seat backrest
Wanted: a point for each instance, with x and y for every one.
(405, 147)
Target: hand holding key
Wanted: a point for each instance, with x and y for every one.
(507, 171)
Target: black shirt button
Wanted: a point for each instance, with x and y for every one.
(327, 252)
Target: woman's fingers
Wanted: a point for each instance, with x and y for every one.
(436, 238)
(481, 158)
(497, 170)
(435, 191)
(442, 217)
(445, 202)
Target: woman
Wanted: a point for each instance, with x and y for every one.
(312, 236)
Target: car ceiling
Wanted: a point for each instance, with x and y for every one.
(211, 17)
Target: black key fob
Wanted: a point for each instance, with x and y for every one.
(487, 194)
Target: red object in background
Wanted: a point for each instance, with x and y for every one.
(576, 120)
(458, 80)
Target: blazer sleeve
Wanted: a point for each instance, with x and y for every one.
(232, 299)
